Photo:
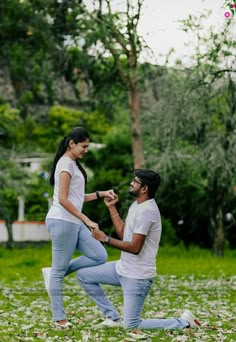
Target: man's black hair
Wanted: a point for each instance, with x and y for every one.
(150, 178)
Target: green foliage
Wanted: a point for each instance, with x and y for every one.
(106, 92)
(36, 200)
(168, 235)
(15, 132)
(9, 204)
(9, 123)
(112, 168)
(12, 184)
(62, 119)
(189, 134)
(193, 138)
(32, 43)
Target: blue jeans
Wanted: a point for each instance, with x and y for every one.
(66, 238)
(134, 295)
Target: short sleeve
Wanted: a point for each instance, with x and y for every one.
(143, 223)
(68, 166)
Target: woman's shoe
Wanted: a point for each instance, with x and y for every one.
(61, 325)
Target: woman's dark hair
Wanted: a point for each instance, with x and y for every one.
(150, 178)
(78, 134)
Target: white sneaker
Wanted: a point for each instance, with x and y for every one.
(109, 323)
(66, 325)
(46, 275)
(191, 319)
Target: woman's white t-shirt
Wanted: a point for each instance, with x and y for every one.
(76, 190)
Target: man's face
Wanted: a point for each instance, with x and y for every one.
(135, 187)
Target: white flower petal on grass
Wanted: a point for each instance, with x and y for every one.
(27, 326)
(211, 300)
(138, 335)
(181, 338)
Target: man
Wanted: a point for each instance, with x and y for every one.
(134, 272)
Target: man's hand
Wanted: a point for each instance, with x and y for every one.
(109, 194)
(111, 202)
(98, 235)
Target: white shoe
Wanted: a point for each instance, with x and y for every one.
(191, 319)
(109, 323)
(46, 275)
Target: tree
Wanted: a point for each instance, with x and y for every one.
(33, 46)
(114, 169)
(214, 72)
(197, 130)
(13, 181)
(113, 32)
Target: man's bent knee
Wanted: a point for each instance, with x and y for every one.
(81, 275)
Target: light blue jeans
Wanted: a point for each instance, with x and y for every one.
(66, 238)
(134, 294)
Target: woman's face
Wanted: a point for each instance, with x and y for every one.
(78, 150)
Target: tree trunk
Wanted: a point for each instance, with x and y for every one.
(219, 234)
(10, 240)
(137, 145)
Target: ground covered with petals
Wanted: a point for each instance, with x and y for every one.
(25, 313)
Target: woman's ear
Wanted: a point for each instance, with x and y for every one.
(71, 143)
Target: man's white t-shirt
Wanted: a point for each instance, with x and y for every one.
(76, 190)
(143, 218)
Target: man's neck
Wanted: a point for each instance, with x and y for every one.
(142, 199)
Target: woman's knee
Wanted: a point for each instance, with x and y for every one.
(101, 256)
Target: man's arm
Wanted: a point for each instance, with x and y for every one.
(118, 223)
(134, 246)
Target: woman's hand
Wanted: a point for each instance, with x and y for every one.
(107, 194)
(91, 224)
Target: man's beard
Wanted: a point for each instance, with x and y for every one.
(134, 193)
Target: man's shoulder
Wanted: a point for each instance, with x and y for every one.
(150, 204)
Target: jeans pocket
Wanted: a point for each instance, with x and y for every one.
(50, 227)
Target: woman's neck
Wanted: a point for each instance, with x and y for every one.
(69, 154)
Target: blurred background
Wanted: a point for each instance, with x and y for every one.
(91, 63)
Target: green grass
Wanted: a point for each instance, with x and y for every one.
(187, 278)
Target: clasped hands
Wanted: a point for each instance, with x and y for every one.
(109, 202)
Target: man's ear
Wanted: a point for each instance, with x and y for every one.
(144, 189)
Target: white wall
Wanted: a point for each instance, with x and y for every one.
(25, 231)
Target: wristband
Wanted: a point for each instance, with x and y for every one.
(97, 194)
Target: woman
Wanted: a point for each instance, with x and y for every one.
(66, 223)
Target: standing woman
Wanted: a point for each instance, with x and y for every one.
(66, 223)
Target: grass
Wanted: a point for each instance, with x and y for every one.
(187, 278)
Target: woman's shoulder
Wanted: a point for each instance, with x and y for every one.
(65, 162)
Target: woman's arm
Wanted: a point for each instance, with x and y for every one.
(99, 194)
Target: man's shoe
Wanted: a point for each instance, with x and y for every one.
(191, 319)
(109, 323)
(46, 275)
